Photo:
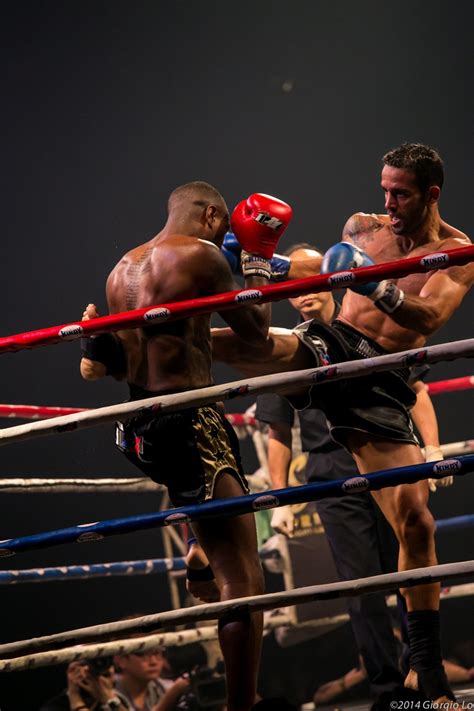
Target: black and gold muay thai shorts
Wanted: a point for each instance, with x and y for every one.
(184, 450)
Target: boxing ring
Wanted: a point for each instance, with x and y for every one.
(95, 641)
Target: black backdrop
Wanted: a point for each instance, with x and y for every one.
(106, 107)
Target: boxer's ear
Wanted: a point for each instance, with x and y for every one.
(433, 193)
(211, 214)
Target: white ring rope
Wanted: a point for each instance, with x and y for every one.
(127, 646)
(255, 603)
(92, 651)
(239, 388)
(458, 448)
(178, 639)
(135, 485)
(138, 484)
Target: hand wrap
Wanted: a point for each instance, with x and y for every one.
(387, 297)
(106, 349)
(253, 265)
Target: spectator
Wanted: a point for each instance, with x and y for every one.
(140, 683)
(90, 687)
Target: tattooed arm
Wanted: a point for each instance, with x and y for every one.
(360, 229)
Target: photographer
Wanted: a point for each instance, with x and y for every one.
(140, 684)
(90, 687)
(207, 685)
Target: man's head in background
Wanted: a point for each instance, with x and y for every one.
(321, 305)
(141, 666)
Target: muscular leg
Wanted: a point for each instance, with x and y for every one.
(406, 509)
(231, 546)
(280, 352)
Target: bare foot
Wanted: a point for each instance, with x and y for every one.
(411, 682)
(197, 562)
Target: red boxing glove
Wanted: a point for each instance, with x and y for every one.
(258, 224)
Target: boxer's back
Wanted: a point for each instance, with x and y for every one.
(174, 356)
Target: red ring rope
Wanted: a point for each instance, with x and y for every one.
(221, 302)
(449, 386)
(37, 412)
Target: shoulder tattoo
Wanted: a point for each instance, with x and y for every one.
(360, 228)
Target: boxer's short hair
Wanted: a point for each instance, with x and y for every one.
(423, 161)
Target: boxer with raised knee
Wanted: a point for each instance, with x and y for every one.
(370, 415)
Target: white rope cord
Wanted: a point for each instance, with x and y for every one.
(178, 639)
(457, 591)
(465, 590)
(284, 620)
(92, 651)
(81, 486)
(457, 448)
(251, 386)
(127, 646)
(255, 603)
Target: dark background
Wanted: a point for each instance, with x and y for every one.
(106, 107)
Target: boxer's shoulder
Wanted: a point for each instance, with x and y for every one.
(452, 237)
(362, 224)
(185, 253)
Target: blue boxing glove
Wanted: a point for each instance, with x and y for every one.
(231, 249)
(344, 256)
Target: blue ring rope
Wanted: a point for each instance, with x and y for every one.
(151, 566)
(240, 504)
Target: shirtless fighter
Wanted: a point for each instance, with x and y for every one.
(194, 452)
(369, 415)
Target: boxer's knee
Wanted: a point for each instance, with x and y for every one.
(416, 526)
(245, 582)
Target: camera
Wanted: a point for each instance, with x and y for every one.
(208, 685)
(100, 665)
(207, 689)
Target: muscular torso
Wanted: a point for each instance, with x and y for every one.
(372, 233)
(167, 357)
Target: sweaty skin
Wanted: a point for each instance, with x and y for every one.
(411, 226)
(184, 262)
(176, 356)
(430, 297)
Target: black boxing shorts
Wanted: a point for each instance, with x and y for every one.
(377, 404)
(184, 450)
